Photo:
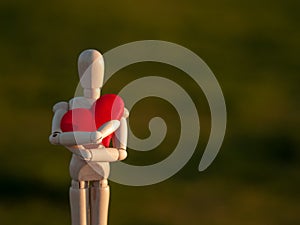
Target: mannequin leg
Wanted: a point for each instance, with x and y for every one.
(79, 203)
(99, 201)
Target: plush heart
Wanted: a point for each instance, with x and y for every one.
(107, 107)
(79, 119)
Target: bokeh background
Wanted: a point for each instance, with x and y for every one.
(252, 47)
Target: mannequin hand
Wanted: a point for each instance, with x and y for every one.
(54, 138)
(96, 137)
(84, 154)
(122, 154)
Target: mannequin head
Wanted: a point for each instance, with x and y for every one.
(91, 72)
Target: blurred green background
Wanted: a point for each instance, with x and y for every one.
(253, 49)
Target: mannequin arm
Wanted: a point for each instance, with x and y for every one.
(120, 136)
(83, 137)
(105, 154)
(59, 110)
(78, 138)
(98, 154)
(109, 127)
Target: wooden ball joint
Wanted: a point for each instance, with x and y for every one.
(86, 126)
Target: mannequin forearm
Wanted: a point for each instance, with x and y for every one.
(99, 155)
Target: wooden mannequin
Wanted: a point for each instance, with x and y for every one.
(89, 167)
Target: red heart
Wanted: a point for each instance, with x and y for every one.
(79, 119)
(107, 107)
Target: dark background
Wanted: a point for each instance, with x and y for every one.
(251, 46)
